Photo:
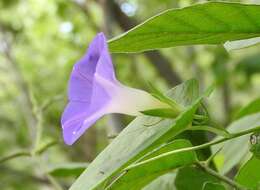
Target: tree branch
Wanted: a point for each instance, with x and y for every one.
(15, 155)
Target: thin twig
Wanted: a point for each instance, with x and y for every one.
(15, 155)
(21, 83)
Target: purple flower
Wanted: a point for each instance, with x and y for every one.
(94, 91)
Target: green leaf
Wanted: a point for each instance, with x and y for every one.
(164, 98)
(229, 151)
(249, 174)
(190, 91)
(141, 175)
(252, 107)
(163, 112)
(208, 23)
(213, 186)
(68, 169)
(164, 182)
(137, 139)
(191, 178)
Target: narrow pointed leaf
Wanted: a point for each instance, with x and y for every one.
(67, 169)
(251, 108)
(249, 174)
(164, 98)
(140, 176)
(208, 23)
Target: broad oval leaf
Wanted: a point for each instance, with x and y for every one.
(208, 23)
(138, 177)
(191, 178)
(249, 174)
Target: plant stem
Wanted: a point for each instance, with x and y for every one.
(202, 146)
(38, 131)
(21, 83)
(14, 155)
(220, 177)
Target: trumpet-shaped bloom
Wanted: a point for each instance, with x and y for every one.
(94, 91)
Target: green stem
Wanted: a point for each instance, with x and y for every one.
(220, 177)
(14, 155)
(28, 153)
(39, 130)
(202, 146)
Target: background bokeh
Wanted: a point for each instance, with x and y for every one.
(40, 40)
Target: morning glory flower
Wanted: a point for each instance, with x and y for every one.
(94, 92)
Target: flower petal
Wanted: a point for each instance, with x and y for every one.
(81, 79)
(76, 119)
(105, 66)
(87, 65)
(80, 89)
(88, 98)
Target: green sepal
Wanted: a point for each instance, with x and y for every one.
(161, 112)
(163, 98)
